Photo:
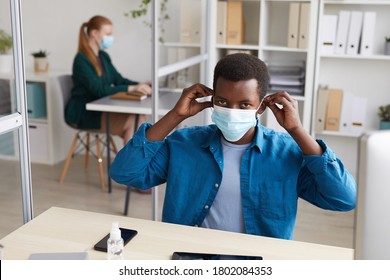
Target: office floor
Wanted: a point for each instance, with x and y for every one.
(81, 191)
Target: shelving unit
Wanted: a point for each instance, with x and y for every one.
(50, 137)
(183, 39)
(266, 35)
(361, 75)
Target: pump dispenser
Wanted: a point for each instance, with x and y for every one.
(115, 243)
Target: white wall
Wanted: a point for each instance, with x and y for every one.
(54, 25)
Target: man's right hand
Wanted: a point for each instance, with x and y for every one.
(187, 105)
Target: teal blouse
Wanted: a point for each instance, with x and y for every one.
(88, 86)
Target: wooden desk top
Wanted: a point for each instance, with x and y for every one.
(67, 230)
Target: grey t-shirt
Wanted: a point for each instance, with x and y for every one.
(226, 211)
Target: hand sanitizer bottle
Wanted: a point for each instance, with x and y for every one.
(115, 243)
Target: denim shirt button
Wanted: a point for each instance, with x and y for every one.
(216, 185)
(206, 206)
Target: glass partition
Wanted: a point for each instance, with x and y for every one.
(15, 170)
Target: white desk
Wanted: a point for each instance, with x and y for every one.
(66, 230)
(166, 102)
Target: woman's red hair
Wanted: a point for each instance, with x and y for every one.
(95, 23)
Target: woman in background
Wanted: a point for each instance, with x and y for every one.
(94, 76)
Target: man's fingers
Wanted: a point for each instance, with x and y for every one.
(204, 105)
(197, 91)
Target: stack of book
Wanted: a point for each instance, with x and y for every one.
(290, 78)
(134, 95)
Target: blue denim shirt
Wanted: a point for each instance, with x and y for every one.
(274, 173)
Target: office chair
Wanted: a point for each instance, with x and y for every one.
(81, 140)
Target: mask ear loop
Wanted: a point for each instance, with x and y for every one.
(259, 114)
(212, 103)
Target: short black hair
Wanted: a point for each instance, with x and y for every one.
(242, 67)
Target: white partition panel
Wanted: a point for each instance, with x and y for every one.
(158, 72)
(17, 120)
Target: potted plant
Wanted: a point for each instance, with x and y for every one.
(41, 63)
(5, 49)
(384, 114)
(387, 45)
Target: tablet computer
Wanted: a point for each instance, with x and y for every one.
(209, 256)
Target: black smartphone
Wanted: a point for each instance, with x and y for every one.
(208, 256)
(127, 235)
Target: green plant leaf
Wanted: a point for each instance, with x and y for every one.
(384, 113)
(143, 11)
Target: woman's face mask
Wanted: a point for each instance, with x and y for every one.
(107, 42)
(234, 123)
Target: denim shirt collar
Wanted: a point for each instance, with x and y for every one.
(213, 138)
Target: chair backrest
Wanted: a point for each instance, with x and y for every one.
(66, 84)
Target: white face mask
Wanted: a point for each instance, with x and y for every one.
(234, 123)
(107, 42)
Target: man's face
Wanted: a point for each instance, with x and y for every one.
(242, 95)
(236, 95)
